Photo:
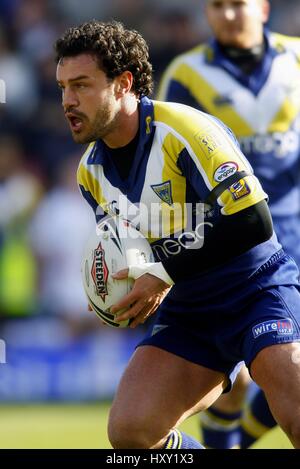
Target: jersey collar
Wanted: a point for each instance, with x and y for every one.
(99, 154)
(256, 80)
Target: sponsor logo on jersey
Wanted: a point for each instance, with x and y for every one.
(225, 170)
(282, 327)
(239, 189)
(185, 240)
(100, 272)
(277, 144)
(210, 143)
(164, 191)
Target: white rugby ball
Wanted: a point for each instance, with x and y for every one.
(113, 245)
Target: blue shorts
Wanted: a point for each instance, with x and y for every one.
(233, 331)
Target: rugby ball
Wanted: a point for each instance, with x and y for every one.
(113, 245)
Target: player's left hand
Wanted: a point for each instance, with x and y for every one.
(146, 295)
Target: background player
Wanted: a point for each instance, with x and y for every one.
(249, 78)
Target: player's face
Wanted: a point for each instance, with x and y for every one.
(237, 23)
(88, 98)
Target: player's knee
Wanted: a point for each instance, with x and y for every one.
(291, 426)
(123, 436)
(295, 433)
(126, 432)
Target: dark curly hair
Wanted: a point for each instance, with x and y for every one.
(117, 49)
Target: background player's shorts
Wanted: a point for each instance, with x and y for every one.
(222, 338)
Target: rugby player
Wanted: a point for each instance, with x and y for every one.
(249, 78)
(234, 298)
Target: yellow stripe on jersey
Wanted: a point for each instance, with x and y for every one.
(290, 109)
(173, 216)
(206, 94)
(284, 118)
(164, 81)
(288, 112)
(87, 152)
(209, 146)
(281, 42)
(90, 184)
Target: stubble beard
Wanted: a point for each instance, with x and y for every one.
(103, 124)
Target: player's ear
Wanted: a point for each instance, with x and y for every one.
(124, 83)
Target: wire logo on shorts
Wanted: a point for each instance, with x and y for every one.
(280, 326)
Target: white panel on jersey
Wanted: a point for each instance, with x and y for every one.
(257, 111)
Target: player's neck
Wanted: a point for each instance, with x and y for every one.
(246, 59)
(238, 52)
(127, 125)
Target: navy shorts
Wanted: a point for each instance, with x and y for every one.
(232, 331)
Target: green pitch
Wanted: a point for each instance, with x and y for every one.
(78, 426)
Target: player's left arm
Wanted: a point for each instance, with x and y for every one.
(245, 221)
(231, 236)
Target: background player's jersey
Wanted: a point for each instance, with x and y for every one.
(181, 156)
(262, 109)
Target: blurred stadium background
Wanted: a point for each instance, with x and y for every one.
(58, 365)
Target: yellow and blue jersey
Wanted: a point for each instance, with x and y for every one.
(262, 109)
(181, 156)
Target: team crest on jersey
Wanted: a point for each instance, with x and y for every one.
(239, 189)
(164, 191)
(209, 143)
(100, 272)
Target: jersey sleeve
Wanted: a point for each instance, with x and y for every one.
(281, 42)
(211, 154)
(219, 157)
